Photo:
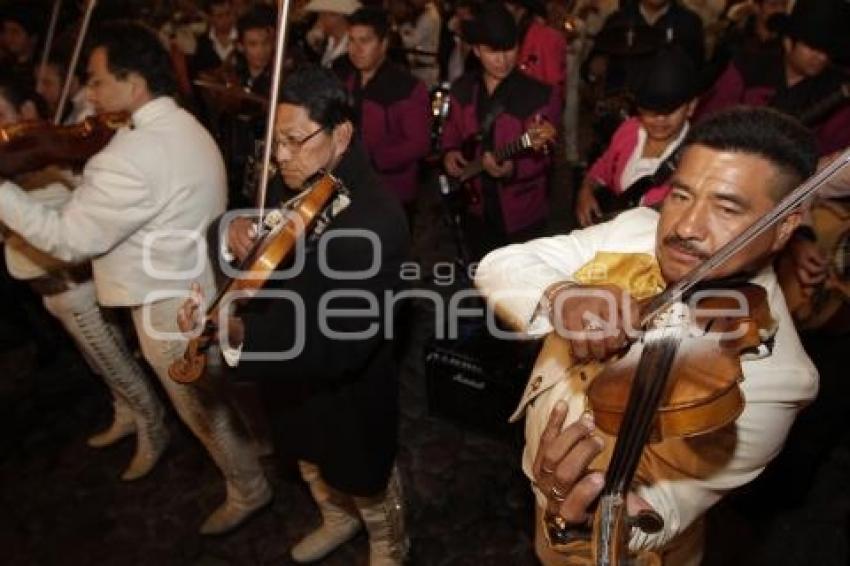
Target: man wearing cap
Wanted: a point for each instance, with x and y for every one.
(542, 51)
(496, 105)
(795, 77)
(332, 26)
(391, 106)
(665, 99)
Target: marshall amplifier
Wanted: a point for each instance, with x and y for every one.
(477, 380)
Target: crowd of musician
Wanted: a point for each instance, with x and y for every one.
(637, 74)
(498, 108)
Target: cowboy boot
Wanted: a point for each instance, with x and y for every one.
(339, 519)
(248, 490)
(384, 519)
(137, 407)
(151, 442)
(123, 424)
(240, 504)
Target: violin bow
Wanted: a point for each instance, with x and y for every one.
(282, 21)
(836, 172)
(72, 65)
(51, 33)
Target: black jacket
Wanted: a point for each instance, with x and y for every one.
(336, 402)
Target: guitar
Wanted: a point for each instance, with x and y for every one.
(612, 204)
(824, 107)
(536, 137)
(826, 307)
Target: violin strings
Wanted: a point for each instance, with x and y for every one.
(648, 385)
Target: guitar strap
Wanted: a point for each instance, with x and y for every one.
(639, 188)
(485, 125)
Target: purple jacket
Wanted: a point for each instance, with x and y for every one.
(522, 196)
(608, 168)
(394, 120)
(759, 80)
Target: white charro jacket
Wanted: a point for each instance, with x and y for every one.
(141, 211)
(683, 477)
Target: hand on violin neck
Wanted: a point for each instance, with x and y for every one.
(597, 320)
(561, 472)
(189, 316)
(241, 234)
(191, 319)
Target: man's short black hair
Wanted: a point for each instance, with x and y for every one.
(318, 91)
(764, 132)
(259, 17)
(134, 48)
(375, 18)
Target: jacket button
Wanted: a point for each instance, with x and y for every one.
(535, 385)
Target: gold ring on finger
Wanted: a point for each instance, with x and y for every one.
(557, 494)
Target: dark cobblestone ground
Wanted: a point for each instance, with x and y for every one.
(61, 503)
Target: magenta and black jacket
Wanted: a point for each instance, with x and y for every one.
(521, 198)
(393, 118)
(758, 79)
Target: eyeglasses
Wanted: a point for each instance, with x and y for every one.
(294, 145)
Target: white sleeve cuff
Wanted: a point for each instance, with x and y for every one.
(231, 355)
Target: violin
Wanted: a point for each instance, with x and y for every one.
(679, 380)
(225, 93)
(266, 254)
(31, 145)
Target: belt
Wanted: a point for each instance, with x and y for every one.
(61, 280)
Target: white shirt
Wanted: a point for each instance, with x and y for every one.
(141, 211)
(637, 166)
(682, 483)
(334, 49)
(223, 51)
(23, 261)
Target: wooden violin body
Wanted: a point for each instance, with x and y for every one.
(269, 252)
(671, 388)
(696, 394)
(31, 145)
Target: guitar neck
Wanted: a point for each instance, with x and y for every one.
(824, 107)
(475, 168)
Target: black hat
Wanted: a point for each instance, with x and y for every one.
(664, 81)
(817, 23)
(492, 26)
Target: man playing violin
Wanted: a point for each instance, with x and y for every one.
(139, 214)
(734, 168)
(329, 380)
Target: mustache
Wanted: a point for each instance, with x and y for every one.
(686, 246)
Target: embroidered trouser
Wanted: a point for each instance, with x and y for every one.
(105, 349)
(206, 413)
